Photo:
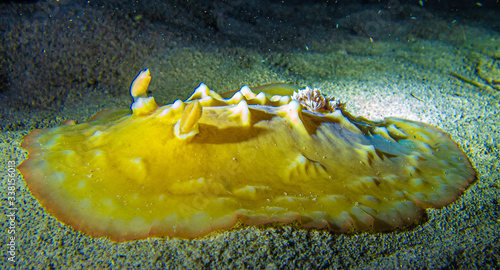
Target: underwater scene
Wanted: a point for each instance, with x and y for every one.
(246, 134)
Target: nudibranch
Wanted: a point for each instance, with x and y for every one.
(196, 166)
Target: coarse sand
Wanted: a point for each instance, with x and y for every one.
(433, 79)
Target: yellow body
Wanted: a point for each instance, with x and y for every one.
(131, 176)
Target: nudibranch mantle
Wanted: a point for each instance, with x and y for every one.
(189, 168)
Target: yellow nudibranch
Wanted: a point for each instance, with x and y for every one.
(189, 168)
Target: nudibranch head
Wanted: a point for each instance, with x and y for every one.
(139, 86)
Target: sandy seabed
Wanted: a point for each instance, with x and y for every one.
(447, 81)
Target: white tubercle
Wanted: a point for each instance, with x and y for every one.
(242, 110)
(164, 112)
(247, 92)
(177, 104)
(261, 97)
(237, 97)
(200, 92)
(293, 111)
(285, 99)
(175, 109)
(275, 98)
(202, 89)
